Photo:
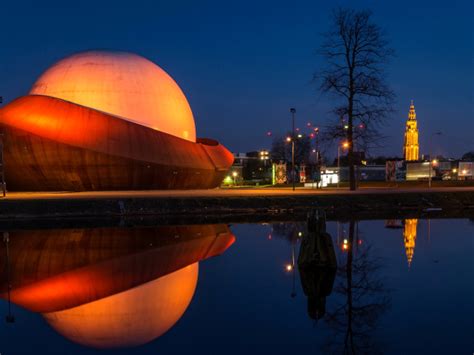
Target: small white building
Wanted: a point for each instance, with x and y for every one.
(465, 170)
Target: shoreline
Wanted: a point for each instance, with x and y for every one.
(199, 204)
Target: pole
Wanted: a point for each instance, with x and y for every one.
(338, 164)
(430, 167)
(2, 167)
(318, 167)
(293, 111)
(431, 159)
(293, 242)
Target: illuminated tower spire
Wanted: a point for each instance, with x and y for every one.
(409, 238)
(411, 147)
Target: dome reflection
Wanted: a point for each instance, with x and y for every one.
(132, 317)
(109, 287)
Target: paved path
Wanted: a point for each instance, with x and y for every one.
(228, 192)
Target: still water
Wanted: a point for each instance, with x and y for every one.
(384, 286)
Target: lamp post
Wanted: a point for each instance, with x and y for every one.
(293, 111)
(344, 145)
(431, 160)
(338, 164)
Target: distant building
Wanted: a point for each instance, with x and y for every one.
(251, 167)
(466, 170)
(419, 171)
(411, 148)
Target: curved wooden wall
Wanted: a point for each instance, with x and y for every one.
(51, 144)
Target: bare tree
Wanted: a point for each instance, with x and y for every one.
(356, 52)
(281, 150)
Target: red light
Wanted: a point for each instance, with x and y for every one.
(269, 133)
(308, 124)
(311, 135)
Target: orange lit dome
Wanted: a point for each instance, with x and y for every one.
(121, 84)
(132, 317)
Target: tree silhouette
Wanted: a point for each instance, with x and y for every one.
(355, 52)
(361, 298)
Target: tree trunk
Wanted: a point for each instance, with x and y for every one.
(350, 158)
(350, 141)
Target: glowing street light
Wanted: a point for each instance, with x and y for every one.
(345, 245)
(234, 175)
(288, 267)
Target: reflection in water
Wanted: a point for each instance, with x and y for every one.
(409, 238)
(317, 265)
(109, 287)
(360, 298)
(356, 295)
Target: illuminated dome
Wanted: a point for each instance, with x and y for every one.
(121, 84)
(130, 318)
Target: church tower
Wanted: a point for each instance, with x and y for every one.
(411, 147)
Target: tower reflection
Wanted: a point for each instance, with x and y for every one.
(109, 287)
(409, 238)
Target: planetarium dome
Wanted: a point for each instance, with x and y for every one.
(122, 84)
(101, 120)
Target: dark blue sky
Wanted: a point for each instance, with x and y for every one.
(243, 64)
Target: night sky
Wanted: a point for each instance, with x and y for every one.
(242, 65)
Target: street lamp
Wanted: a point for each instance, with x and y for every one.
(345, 145)
(293, 111)
(431, 160)
(234, 175)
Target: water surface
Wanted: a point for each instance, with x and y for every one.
(398, 286)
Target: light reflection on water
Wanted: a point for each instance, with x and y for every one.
(395, 286)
